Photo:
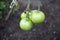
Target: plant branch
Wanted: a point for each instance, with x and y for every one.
(8, 14)
(13, 4)
(39, 4)
(28, 6)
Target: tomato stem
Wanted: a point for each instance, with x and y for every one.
(39, 4)
(28, 9)
(28, 6)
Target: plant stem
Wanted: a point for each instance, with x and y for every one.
(39, 4)
(28, 6)
(8, 14)
(27, 9)
(15, 4)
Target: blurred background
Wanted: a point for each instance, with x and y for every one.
(49, 30)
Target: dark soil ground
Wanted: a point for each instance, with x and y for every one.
(49, 30)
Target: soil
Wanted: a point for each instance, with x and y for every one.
(49, 30)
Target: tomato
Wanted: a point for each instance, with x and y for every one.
(23, 15)
(37, 16)
(26, 24)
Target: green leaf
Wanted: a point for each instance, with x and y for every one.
(2, 5)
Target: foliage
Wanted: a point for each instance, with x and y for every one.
(2, 8)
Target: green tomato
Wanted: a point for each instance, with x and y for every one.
(26, 25)
(23, 15)
(37, 16)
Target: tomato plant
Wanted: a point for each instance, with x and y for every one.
(31, 16)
